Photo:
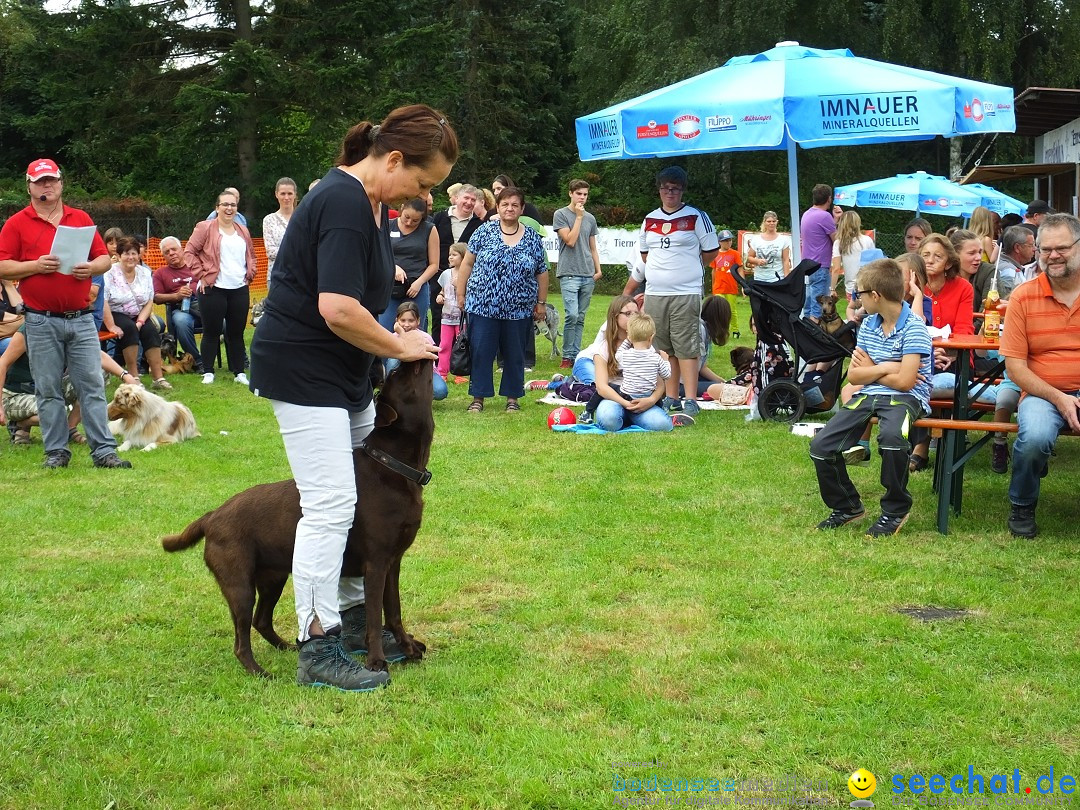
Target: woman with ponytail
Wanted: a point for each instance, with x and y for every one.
(311, 355)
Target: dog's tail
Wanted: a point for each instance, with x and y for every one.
(187, 538)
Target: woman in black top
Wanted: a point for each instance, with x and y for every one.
(416, 256)
(312, 351)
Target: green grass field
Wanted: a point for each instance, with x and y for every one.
(587, 601)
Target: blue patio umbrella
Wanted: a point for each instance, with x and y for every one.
(925, 193)
(793, 94)
(919, 191)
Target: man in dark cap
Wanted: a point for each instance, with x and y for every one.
(1036, 213)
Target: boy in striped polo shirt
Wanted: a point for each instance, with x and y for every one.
(1041, 347)
(892, 364)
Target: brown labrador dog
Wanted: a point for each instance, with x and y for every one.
(250, 537)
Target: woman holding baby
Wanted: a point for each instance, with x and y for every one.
(597, 364)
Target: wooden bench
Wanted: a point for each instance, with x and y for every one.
(954, 451)
(937, 426)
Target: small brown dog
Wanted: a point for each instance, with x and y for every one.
(185, 365)
(250, 538)
(833, 324)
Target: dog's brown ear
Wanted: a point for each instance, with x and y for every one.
(384, 414)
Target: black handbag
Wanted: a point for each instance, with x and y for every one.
(461, 352)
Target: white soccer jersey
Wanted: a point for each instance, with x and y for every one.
(674, 243)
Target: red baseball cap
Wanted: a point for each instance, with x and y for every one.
(43, 167)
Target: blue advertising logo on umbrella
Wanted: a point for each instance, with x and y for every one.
(793, 94)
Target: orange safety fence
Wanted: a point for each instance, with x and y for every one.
(154, 259)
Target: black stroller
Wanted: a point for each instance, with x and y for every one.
(777, 309)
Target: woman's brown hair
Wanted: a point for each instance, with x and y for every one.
(126, 243)
(417, 131)
(611, 330)
(952, 259)
(716, 313)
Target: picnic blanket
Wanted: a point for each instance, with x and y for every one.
(551, 398)
(595, 430)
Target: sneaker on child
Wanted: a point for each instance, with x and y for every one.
(886, 525)
(840, 517)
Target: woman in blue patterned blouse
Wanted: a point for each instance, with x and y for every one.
(503, 281)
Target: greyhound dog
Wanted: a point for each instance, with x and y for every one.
(549, 327)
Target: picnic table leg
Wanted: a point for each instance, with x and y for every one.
(959, 449)
(946, 455)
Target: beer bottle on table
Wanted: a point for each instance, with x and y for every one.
(991, 314)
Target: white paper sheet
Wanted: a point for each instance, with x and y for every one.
(72, 245)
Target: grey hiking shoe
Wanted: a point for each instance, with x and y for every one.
(56, 459)
(112, 462)
(324, 662)
(354, 636)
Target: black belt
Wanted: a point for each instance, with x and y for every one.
(68, 315)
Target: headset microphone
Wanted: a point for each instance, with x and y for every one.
(43, 197)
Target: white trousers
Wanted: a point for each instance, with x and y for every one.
(319, 443)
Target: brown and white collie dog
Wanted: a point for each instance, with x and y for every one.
(146, 420)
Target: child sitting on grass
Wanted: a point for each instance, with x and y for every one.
(640, 363)
(892, 364)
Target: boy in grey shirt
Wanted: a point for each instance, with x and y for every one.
(579, 266)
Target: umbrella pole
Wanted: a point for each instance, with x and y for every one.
(793, 199)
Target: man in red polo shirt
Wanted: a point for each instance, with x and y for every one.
(60, 331)
(1041, 346)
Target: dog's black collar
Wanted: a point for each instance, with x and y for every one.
(421, 477)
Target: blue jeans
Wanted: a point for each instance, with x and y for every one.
(584, 370)
(611, 416)
(816, 284)
(423, 301)
(438, 384)
(943, 385)
(56, 343)
(1040, 423)
(507, 337)
(576, 294)
(183, 324)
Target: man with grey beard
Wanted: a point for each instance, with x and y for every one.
(1041, 346)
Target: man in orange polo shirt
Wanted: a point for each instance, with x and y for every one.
(1041, 346)
(60, 332)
